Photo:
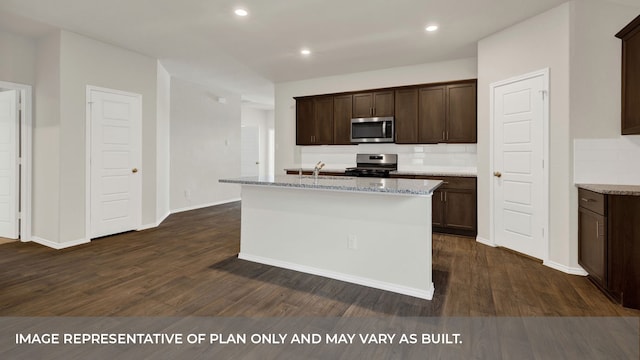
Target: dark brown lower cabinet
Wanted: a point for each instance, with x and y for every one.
(454, 205)
(609, 244)
(593, 244)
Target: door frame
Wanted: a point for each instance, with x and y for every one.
(545, 156)
(26, 139)
(88, 149)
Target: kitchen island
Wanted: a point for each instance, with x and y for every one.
(369, 231)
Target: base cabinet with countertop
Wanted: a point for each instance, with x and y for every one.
(454, 204)
(609, 240)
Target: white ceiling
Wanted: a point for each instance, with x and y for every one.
(203, 41)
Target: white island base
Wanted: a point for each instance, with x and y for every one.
(381, 240)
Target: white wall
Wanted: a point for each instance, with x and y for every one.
(18, 60)
(601, 154)
(534, 44)
(67, 63)
(45, 214)
(205, 145)
(85, 61)
(596, 59)
(163, 133)
(288, 155)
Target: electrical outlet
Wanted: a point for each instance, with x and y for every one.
(187, 194)
(352, 242)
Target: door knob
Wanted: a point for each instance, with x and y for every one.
(134, 170)
(497, 174)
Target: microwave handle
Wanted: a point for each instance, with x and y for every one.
(384, 129)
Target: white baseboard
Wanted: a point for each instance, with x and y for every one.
(419, 293)
(565, 269)
(484, 241)
(196, 207)
(56, 245)
(154, 225)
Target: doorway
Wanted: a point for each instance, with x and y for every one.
(114, 149)
(519, 158)
(250, 151)
(15, 161)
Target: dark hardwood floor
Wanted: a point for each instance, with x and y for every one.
(188, 266)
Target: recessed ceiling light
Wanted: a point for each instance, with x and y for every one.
(241, 12)
(431, 28)
(305, 52)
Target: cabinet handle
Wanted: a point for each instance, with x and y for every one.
(443, 135)
(447, 136)
(597, 229)
(441, 199)
(445, 196)
(586, 200)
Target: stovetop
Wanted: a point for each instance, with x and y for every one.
(374, 165)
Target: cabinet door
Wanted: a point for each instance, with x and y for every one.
(323, 134)
(461, 113)
(592, 249)
(431, 115)
(460, 209)
(630, 36)
(406, 118)
(437, 208)
(305, 123)
(363, 105)
(383, 104)
(342, 119)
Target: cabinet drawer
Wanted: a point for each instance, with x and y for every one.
(592, 201)
(452, 182)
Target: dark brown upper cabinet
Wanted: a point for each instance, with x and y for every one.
(374, 103)
(424, 114)
(314, 120)
(406, 116)
(461, 113)
(305, 121)
(342, 115)
(431, 115)
(445, 113)
(630, 36)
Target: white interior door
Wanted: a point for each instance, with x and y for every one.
(250, 153)
(9, 185)
(519, 190)
(116, 178)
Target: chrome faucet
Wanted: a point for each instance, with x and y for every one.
(316, 170)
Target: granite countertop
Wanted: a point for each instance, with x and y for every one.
(631, 190)
(434, 172)
(439, 172)
(344, 183)
(324, 170)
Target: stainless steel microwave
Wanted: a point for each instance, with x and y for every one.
(372, 130)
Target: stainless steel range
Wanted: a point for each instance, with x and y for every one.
(374, 165)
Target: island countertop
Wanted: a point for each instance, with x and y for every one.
(409, 187)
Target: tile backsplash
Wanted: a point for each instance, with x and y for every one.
(452, 157)
(607, 161)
